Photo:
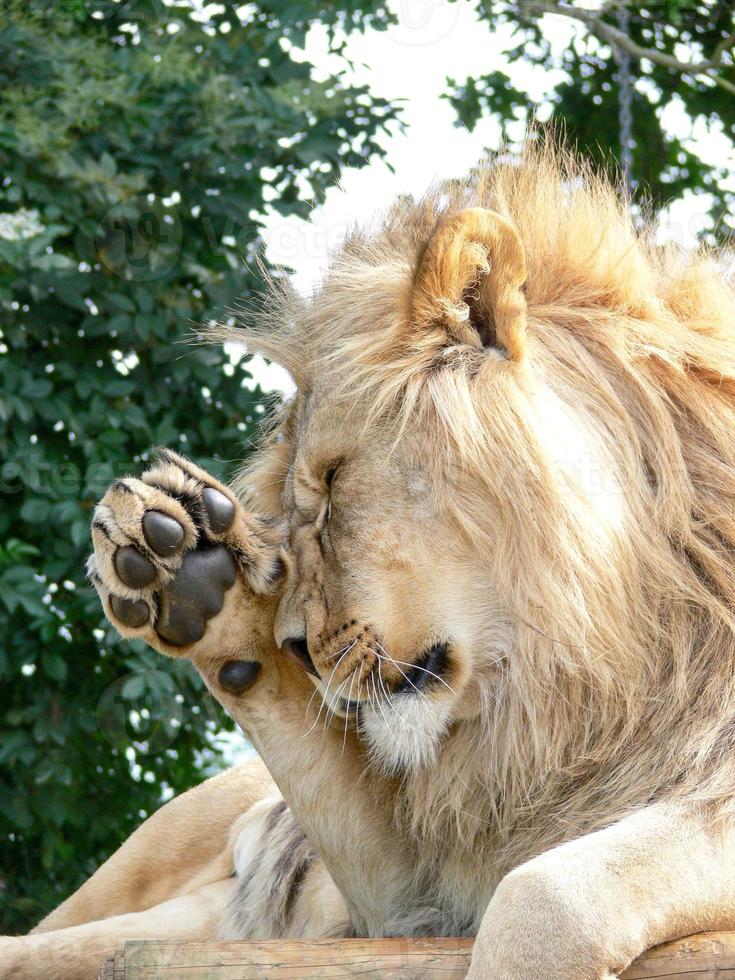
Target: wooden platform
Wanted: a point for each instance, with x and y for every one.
(702, 957)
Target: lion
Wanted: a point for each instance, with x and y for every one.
(505, 492)
(510, 465)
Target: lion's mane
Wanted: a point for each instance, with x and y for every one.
(619, 689)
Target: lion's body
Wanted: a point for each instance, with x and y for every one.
(530, 411)
(595, 496)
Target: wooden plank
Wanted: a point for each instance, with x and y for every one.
(702, 957)
(114, 968)
(391, 959)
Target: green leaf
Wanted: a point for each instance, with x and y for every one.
(108, 164)
(35, 510)
(133, 687)
(54, 666)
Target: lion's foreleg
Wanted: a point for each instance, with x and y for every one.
(346, 812)
(233, 562)
(79, 952)
(586, 909)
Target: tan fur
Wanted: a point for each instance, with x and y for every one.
(635, 343)
(562, 516)
(554, 503)
(473, 259)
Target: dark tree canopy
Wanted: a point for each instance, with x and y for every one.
(138, 149)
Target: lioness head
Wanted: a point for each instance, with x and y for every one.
(486, 534)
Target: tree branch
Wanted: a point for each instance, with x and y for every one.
(726, 44)
(618, 39)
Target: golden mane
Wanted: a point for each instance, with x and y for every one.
(621, 685)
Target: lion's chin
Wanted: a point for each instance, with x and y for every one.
(403, 732)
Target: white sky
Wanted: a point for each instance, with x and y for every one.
(434, 39)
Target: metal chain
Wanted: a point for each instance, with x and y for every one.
(625, 103)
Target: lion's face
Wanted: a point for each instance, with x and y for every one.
(386, 606)
(392, 605)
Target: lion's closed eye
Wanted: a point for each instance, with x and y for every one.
(329, 476)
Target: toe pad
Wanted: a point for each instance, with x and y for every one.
(134, 570)
(163, 533)
(236, 676)
(131, 612)
(220, 509)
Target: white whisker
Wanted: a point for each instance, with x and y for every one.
(333, 705)
(347, 712)
(390, 659)
(306, 710)
(325, 693)
(389, 701)
(417, 667)
(379, 705)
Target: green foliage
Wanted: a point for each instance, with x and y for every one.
(584, 92)
(138, 148)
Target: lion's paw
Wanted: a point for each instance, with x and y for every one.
(169, 546)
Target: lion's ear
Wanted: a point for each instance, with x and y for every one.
(469, 281)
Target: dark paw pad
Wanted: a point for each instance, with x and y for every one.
(220, 510)
(236, 676)
(195, 595)
(130, 612)
(134, 570)
(162, 533)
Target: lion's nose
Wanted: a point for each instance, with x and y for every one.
(299, 651)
